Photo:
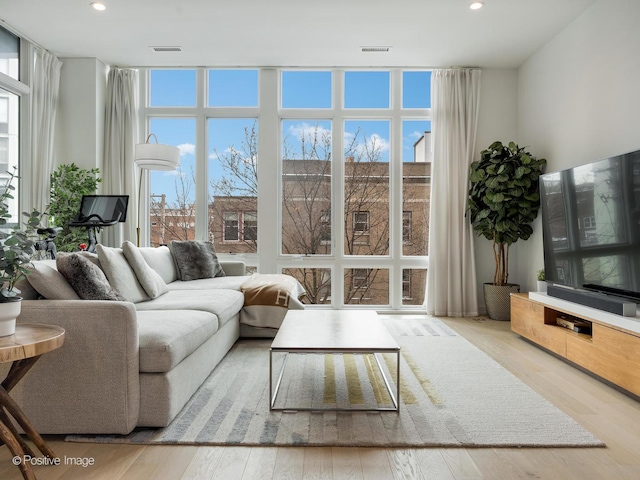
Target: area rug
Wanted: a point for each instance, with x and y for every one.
(452, 395)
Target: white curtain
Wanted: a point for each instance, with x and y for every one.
(451, 277)
(120, 137)
(45, 88)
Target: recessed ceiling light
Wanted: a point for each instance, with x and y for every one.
(98, 6)
(476, 5)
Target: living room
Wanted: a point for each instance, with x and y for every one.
(570, 96)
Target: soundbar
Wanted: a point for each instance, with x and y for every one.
(607, 303)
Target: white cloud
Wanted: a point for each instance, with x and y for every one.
(187, 149)
(306, 130)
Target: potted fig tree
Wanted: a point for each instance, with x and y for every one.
(16, 249)
(504, 200)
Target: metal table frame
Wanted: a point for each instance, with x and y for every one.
(395, 399)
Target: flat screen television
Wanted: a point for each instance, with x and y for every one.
(591, 226)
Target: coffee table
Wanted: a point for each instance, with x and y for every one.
(333, 331)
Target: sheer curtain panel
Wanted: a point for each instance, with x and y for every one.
(451, 277)
(45, 87)
(120, 137)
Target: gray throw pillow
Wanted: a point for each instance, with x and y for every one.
(89, 282)
(195, 260)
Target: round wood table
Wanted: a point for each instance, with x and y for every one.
(24, 348)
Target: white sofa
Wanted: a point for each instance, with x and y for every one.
(123, 364)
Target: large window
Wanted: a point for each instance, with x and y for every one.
(320, 173)
(10, 105)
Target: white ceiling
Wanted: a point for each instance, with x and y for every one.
(421, 33)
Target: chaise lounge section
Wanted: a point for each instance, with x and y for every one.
(124, 363)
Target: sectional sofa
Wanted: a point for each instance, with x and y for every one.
(134, 360)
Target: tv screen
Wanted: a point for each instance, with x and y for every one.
(109, 208)
(591, 226)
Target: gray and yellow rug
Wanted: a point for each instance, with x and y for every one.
(452, 394)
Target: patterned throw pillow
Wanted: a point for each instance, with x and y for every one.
(195, 260)
(89, 282)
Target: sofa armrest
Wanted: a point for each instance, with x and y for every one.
(91, 383)
(233, 268)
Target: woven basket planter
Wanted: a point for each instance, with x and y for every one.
(497, 299)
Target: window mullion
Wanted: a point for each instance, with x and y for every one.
(396, 193)
(337, 185)
(202, 165)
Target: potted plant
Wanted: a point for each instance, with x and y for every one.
(504, 200)
(68, 184)
(542, 285)
(16, 249)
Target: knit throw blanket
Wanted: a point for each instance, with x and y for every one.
(267, 297)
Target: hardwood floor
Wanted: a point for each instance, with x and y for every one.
(608, 413)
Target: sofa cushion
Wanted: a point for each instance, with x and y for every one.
(168, 337)
(195, 260)
(151, 281)
(92, 257)
(120, 274)
(231, 283)
(225, 304)
(161, 260)
(89, 282)
(50, 283)
(27, 292)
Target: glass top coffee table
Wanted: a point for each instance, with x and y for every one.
(333, 331)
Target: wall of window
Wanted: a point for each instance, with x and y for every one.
(321, 174)
(14, 129)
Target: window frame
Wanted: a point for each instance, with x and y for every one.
(269, 257)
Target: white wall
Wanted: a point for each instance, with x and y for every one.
(80, 121)
(497, 121)
(579, 99)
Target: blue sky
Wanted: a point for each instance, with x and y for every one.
(300, 89)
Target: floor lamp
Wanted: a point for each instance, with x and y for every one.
(153, 156)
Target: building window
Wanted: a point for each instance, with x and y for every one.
(360, 278)
(361, 223)
(406, 284)
(325, 227)
(231, 230)
(589, 222)
(406, 227)
(250, 226)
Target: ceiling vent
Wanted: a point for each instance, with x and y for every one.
(166, 49)
(375, 49)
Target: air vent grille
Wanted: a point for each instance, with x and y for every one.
(375, 49)
(166, 49)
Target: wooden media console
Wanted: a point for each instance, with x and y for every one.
(611, 349)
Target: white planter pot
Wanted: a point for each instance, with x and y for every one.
(542, 286)
(9, 311)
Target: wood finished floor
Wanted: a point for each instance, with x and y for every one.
(609, 414)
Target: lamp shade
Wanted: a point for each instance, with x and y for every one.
(156, 156)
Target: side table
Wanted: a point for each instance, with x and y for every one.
(24, 348)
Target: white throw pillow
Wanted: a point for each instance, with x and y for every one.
(161, 260)
(120, 274)
(150, 280)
